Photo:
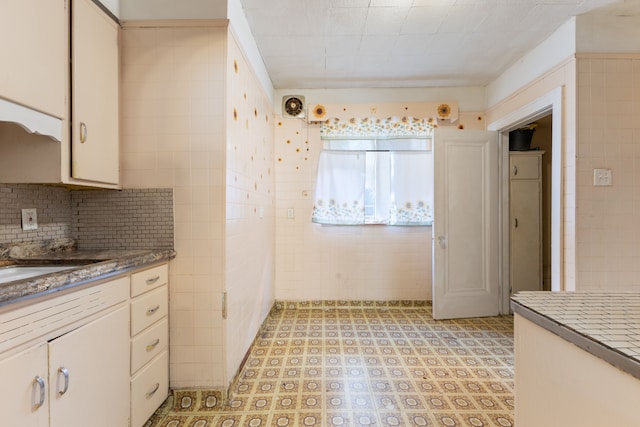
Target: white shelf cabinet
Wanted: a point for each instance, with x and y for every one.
(525, 215)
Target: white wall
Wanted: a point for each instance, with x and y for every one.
(247, 44)
(470, 98)
(173, 121)
(548, 54)
(171, 9)
(113, 6)
(604, 33)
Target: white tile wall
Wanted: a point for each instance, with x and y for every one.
(315, 262)
(608, 218)
(250, 207)
(173, 136)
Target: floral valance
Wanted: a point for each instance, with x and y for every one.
(374, 128)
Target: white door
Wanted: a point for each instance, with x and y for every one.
(465, 226)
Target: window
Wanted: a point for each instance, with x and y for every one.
(375, 171)
(374, 187)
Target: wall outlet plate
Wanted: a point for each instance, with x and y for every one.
(602, 177)
(29, 219)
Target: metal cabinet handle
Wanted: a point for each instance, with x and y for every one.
(152, 392)
(515, 223)
(442, 241)
(153, 344)
(83, 132)
(65, 373)
(151, 311)
(40, 383)
(152, 280)
(515, 170)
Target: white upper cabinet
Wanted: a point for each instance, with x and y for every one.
(34, 65)
(94, 76)
(60, 60)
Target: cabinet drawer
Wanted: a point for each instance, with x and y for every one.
(148, 344)
(149, 388)
(522, 167)
(147, 280)
(148, 309)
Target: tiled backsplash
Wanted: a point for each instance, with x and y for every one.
(97, 219)
(127, 219)
(53, 209)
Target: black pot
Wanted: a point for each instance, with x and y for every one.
(520, 139)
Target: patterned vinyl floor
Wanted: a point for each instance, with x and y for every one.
(364, 366)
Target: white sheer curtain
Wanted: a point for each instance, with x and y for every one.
(340, 188)
(411, 195)
(374, 187)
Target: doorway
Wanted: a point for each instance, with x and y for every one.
(547, 112)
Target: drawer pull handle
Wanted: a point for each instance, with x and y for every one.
(516, 223)
(40, 383)
(152, 311)
(65, 373)
(153, 344)
(152, 392)
(515, 170)
(152, 280)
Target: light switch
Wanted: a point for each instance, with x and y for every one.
(602, 177)
(29, 219)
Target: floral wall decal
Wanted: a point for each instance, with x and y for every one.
(319, 111)
(444, 111)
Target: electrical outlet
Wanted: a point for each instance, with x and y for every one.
(29, 219)
(291, 213)
(602, 177)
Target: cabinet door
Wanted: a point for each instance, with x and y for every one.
(23, 397)
(95, 70)
(89, 374)
(525, 236)
(33, 42)
(524, 167)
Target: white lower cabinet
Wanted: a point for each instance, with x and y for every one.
(149, 342)
(90, 387)
(68, 381)
(97, 356)
(149, 388)
(23, 395)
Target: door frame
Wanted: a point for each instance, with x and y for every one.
(550, 103)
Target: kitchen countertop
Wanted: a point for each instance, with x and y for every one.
(606, 325)
(100, 264)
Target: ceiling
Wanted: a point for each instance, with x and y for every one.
(323, 44)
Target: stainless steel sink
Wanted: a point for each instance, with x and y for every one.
(21, 272)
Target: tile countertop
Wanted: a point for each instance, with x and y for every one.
(606, 325)
(101, 264)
